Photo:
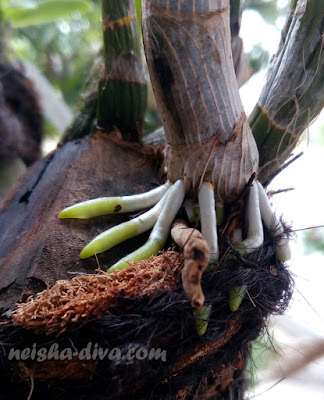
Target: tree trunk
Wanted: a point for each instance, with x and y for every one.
(38, 248)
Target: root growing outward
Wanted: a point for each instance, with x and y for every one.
(211, 152)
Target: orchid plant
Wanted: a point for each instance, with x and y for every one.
(212, 155)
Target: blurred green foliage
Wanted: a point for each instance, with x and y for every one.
(270, 10)
(258, 57)
(314, 240)
(62, 37)
(263, 353)
(42, 12)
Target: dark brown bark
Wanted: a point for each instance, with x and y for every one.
(38, 248)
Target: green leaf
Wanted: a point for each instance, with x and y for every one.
(47, 11)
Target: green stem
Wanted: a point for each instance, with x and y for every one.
(293, 95)
(123, 88)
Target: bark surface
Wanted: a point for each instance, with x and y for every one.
(36, 247)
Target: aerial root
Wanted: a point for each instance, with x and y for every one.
(259, 210)
(208, 220)
(200, 249)
(119, 233)
(115, 205)
(255, 228)
(272, 222)
(161, 230)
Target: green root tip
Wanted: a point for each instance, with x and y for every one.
(212, 265)
(73, 212)
(63, 214)
(283, 255)
(202, 315)
(236, 296)
(118, 267)
(241, 248)
(86, 253)
(91, 249)
(149, 249)
(68, 213)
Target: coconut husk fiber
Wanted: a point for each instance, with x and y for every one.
(145, 307)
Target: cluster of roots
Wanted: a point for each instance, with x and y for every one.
(144, 308)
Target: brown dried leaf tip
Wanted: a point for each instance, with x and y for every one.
(86, 297)
(196, 253)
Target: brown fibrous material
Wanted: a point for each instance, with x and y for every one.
(196, 253)
(85, 297)
(74, 369)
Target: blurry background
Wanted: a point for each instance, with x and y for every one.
(57, 42)
(298, 336)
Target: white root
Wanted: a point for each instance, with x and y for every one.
(172, 206)
(168, 199)
(272, 222)
(237, 236)
(119, 233)
(208, 218)
(115, 205)
(160, 232)
(255, 229)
